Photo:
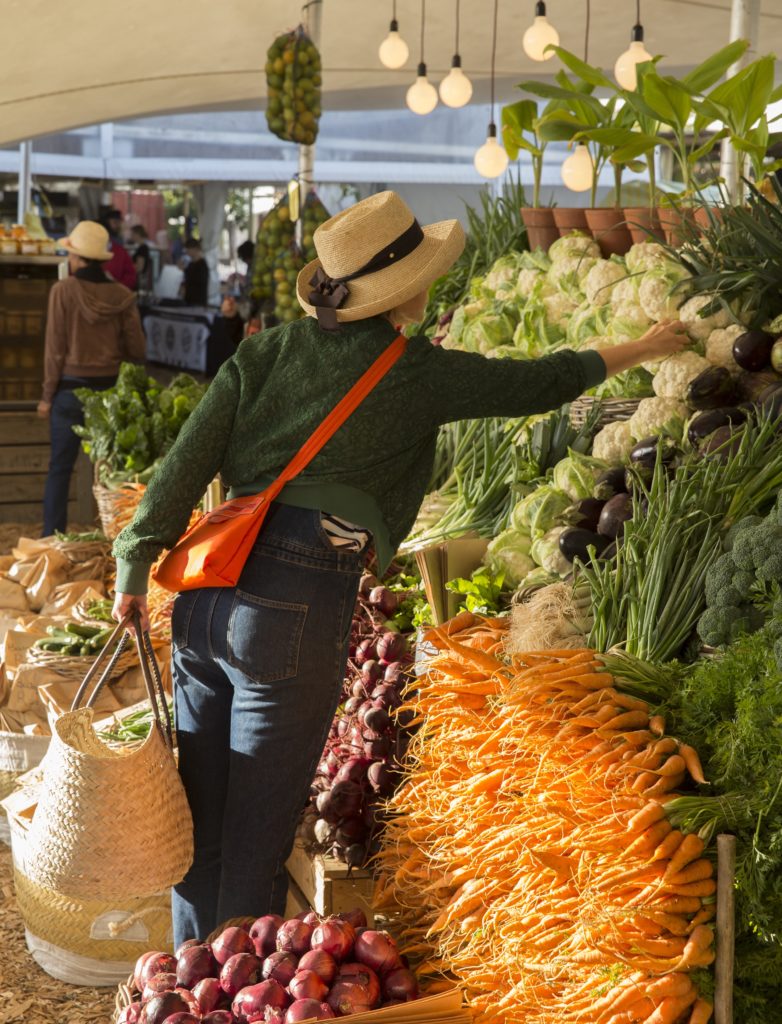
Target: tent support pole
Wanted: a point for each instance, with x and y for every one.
(25, 187)
(744, 24)
(313, 18)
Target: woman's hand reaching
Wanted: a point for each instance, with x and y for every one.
(661, 340)
(125, 603)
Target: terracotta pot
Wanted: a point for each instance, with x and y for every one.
(643, 224)
(542, 232)
(674, 223)
(570, 218)
(609, 230)
(705, 216)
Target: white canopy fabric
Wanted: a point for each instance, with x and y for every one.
(71, 64)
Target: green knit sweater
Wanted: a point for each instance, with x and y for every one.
(271, 395)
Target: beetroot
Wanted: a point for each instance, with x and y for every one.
(131, 1014)
(281, 967)
(321, 962)
(348, 997)
(263, 932)
(150, 964)
(308, 1009)
(362, 975)
(239, 971)
(371, 671)
(158, 983)
(391, 647)
(394, 673)
(294, 935)
(380, 778)
(195, 964)
(251, 1002)
(208, 994)
(162, 1006)
(353, 770)
(366, 651)
(400, 984)
(377, 720)
(308, 985)
(230, 942)
(384, 600)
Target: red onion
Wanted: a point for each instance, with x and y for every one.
(208, 994)
(378, 951)
(250, 1003)
(150, 964)
(131, 1014)
(348, 997)
(281, 967)
(366, 651)
(238, 972)
(400, 984)
(183, 1018)
(158, 983)
(187, 944)
(353, 770)
(308, 985)
(189, 998)
(357, 918)
(391, 647)
(362, 975)
(384, 600)
(162, 1006)
(321, 962)
(273, 1015)
(195, 964)
(307, 1009)
(294, 936)
(230, 942)
(218, 1017)
(336, 937)
(263, 932)
(380, 779)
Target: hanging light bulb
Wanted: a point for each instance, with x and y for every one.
(578, 170)
(456, 87)
(625, 68)
(393, 51)
(422, 95)
(491, 160)
(539, 35)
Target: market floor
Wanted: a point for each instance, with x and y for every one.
(27, 994)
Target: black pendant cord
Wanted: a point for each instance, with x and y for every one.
(393, 15)
(456, 43)
(423, 23)
(493, 58)
(638, 12)
(586, 32)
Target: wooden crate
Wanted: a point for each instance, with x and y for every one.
(24, 461)
(327, 885)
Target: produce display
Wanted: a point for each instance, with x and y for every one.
(293, 93)
(271, 970)
(531, 855)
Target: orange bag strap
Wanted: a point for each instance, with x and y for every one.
(341, 412)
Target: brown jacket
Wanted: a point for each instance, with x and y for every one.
(91, 327)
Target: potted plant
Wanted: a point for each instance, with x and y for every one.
(517, 119)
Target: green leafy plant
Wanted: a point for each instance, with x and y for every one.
(484, 593)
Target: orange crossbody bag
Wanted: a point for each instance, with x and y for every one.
(213, 551)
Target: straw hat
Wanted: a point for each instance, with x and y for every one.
(373, 257)
(88, 240)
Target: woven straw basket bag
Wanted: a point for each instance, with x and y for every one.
(111, 824)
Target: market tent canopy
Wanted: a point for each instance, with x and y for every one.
(111, 61)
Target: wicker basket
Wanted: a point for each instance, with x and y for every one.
(115, 505)
(73, 666)
(612, 410)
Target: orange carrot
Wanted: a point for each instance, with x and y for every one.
(695, 871)
(671, 1008)
(648, 815)
(650, 839)
(657, 724)
(690, 849)
(701, 1012)
(668, 846)
(627, 720)
(673, 766)
(693, 762)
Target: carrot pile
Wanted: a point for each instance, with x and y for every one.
(529, 854)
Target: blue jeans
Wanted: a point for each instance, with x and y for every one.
(66, 413)
(258, 672)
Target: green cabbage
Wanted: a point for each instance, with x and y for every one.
(545, 552)
(575, 476)
(509, 554)
(540, 510)
(487, 331)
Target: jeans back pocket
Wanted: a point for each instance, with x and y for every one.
(264, 637)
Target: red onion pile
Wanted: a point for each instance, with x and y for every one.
(360, 765)
(276, 972)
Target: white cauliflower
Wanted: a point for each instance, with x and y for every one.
(546, 553)
(655, 415)
(570, 271)
(625, 292)
(645, 256)
(527, 280)
(628, 322)
(719, 347)
(599, 282)
(613, 443)
(700, 327)
(676, 372)
(657, 299)
(558, 308)
(574, 244)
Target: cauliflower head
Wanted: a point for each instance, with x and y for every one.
(644, 256)
(568, 273)
(657, 415)
(625, 292)
(574, 244)
(719, 347)
(601, 279)
(558, 308)
(526, 281)
(613, 443)
(700, 327)
(657, 298)
(676, 372)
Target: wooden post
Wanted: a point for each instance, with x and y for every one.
(726, 930)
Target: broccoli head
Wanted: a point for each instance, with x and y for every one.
(752, 547)
(748, 522)
(719, 582)
(770, 569)
(718, 626)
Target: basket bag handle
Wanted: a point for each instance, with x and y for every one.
(149, 669)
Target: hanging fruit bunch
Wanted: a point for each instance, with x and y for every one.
(313, 214)
(274, 236)
(293, 81)
(286, 269)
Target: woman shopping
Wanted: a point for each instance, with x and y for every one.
(258, 668)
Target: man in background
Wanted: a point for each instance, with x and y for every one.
(195, 287)
(120, 267)
(142, 257)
